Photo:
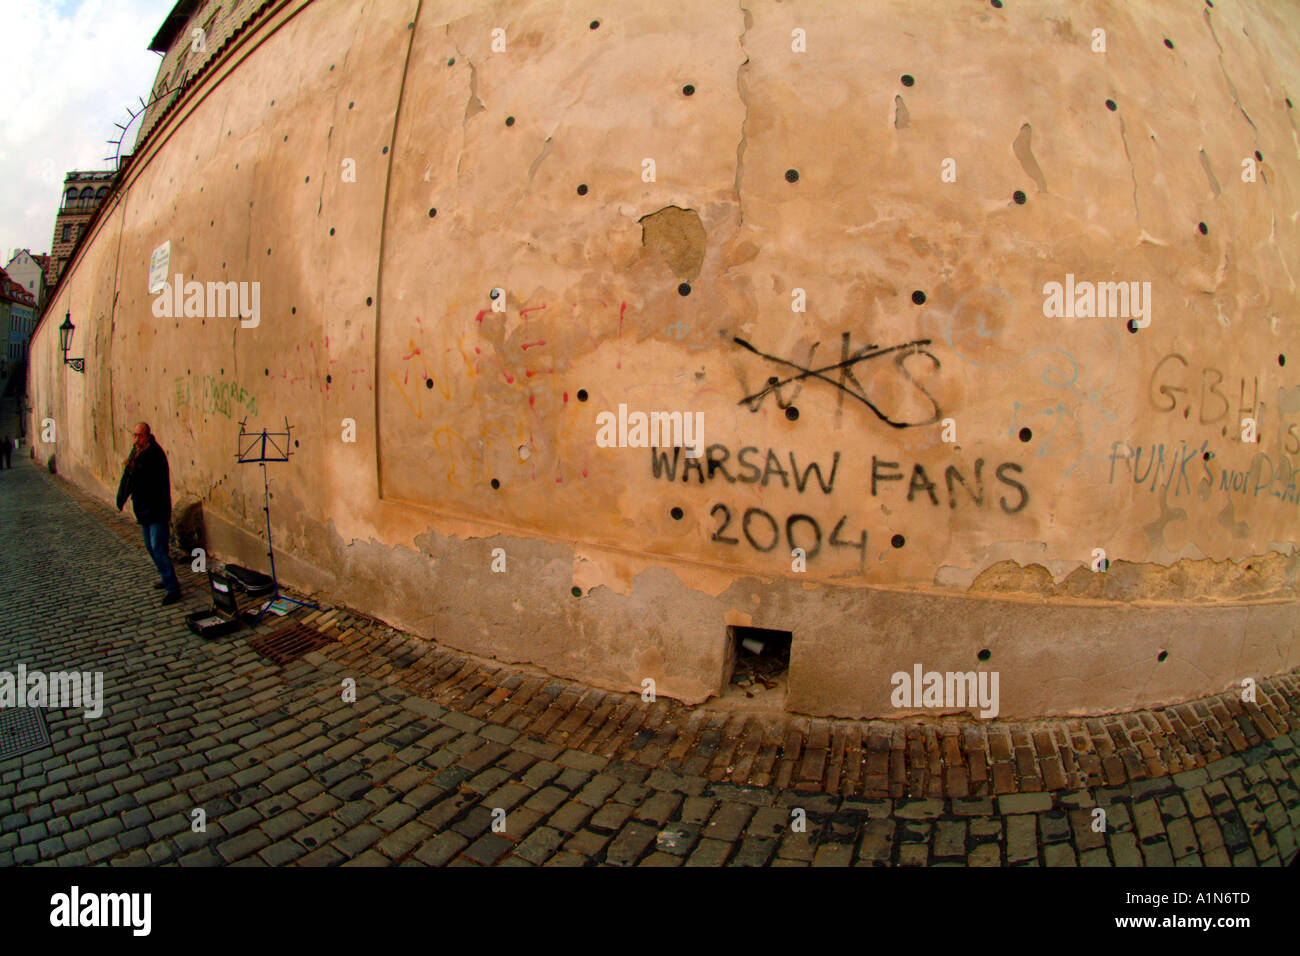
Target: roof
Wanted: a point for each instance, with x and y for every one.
(173, 25)
(88, 175)
(11, 290)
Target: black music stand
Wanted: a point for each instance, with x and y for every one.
(257, 448)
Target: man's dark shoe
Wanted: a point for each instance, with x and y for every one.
(157, 585)
(171, 597)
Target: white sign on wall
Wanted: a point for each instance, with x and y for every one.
(158, 263)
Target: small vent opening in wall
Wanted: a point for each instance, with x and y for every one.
(758, 661)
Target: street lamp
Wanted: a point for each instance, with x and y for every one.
(65, 341)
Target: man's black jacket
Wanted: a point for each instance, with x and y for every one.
(146, 480)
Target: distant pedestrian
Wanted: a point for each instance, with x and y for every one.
(6, 450)
(146, 480)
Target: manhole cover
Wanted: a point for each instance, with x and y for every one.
(22, 729)
(289, 643)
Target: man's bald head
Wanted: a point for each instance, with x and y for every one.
(142, 435)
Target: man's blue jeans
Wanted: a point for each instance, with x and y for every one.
(156, 539)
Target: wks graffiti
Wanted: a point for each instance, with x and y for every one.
(842, 376)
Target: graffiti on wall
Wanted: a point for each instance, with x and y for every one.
(210, 394)
(842, 376)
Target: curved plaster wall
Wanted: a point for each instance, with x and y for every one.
(837, 256)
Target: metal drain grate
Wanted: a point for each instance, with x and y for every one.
(22, 729)
(289, 643)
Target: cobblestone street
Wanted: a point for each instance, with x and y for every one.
(438, 747)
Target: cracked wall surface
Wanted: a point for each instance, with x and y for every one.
(838, 256)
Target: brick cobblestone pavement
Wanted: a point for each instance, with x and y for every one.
(440, 747)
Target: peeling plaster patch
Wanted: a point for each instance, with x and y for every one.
(1025, 153)
(678, 235)
(901, 117)
(1209, 173)
(1270, 576)
(735, 618)
(546, 151)
(1228, 520)
(1008, 576)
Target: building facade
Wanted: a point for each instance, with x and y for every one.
(18, 311)
(28, 270)
(83, 193)
(998, 389)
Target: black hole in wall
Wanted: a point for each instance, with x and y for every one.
(1161, 656)
(576, 591)
(996, 3)
(1288, 103)
(1169, 43)
(792, 175)
(328, 379)
(984, 654)
(593, 24)
(1019, 197)
(384, 151)
(293, 310)
(1207, 456)
(496, 483)
(494, 293)
(428, 383)
(1281, 360)
(452, 61)
(1111, 105)
(918, 297)
(688, 89)
(757, 660)
(295, 443)
(432, 213)
(582, 190)
(1259, 156)
(582, 394)
(684, 289)
(792, 413)
(1132, 326)
(677, 514)
(1026, 434)
(369, 300)
(898, 541)
(266, 371)
(1204, 229)
(907, 79)
(331, 230)
(510, 121)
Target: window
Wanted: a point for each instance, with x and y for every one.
(103, 191)
(67, 232)
(71, 197)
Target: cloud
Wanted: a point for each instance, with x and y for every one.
(71, 71)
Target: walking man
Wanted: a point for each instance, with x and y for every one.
(146, 480)
(6, 449)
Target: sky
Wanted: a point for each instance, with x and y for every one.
(71, 70)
